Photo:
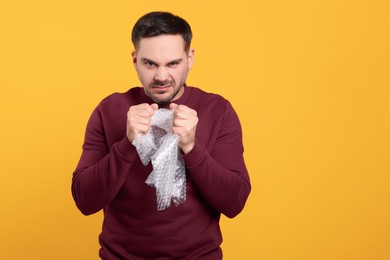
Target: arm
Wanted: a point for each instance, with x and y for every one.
(221, 175)
(101, 171)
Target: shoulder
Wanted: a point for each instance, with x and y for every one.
(201, 98)
(195, 91)
(211, 107)
(120, 100)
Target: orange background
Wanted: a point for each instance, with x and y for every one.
(309, 80)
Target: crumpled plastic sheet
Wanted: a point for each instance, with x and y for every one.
(160, 145)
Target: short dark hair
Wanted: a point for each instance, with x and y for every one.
(161, 23)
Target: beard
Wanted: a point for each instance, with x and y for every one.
(163, 101)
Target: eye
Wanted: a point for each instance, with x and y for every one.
(149, 64)
(173, 64)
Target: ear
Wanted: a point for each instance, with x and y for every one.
(134, 57)
(190, 56)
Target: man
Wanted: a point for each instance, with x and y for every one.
(111, 176)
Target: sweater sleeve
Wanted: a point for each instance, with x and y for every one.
(221, 175)
(101, 171)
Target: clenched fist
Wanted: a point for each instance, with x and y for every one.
(185, 121)
(139, 119)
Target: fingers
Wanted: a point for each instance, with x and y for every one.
(184, 124)
(182, 112)
(172, 106)
(139, 119)
(140, 116)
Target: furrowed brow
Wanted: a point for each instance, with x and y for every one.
(175, 61)
(147, 60)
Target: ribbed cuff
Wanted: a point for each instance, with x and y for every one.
(126, 149)
(195, 156)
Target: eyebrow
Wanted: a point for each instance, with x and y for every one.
(170, 62)
(175, 61)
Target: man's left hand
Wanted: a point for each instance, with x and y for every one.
(184, 124)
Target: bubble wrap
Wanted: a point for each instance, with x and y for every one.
(160, 146)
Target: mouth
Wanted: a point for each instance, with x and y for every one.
(161, 87)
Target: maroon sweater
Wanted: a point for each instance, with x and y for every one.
(110, 176)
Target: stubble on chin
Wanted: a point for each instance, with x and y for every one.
(161, 101)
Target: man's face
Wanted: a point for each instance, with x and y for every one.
(162, 65)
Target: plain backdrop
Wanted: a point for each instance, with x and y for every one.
(308, 79)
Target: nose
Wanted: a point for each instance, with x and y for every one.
(161, 74)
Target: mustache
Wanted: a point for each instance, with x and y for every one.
(157, 83)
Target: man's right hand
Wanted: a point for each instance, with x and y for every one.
(139, 119)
